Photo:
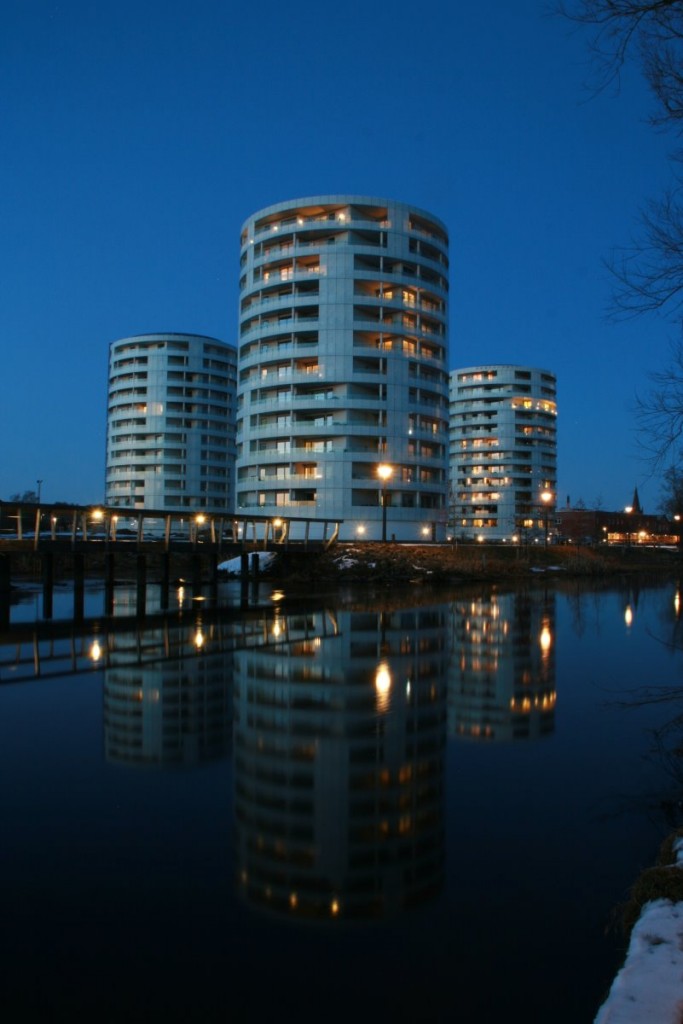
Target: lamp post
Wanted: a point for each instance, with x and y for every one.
(384, 472)
(546, 498)
(628, 510)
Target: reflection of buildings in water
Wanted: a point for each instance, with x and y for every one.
(339, 747)
(502, 678)
(176, 711)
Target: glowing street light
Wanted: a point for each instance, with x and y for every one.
(546, 498)
(385, 473)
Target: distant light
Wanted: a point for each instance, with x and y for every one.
(628, 615)
(200, 519)
(334, 907)
(98, 514)
(198, 639)
(360, 529)
(95, 651)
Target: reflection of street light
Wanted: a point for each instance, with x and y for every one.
(384, 472)
(383, 686)
(546, 498)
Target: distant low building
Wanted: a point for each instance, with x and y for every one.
(628, 526)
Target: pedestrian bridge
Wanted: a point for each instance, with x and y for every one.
(48, 525)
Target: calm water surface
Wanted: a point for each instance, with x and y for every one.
(385, 808)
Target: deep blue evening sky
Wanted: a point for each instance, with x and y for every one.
(137, 136)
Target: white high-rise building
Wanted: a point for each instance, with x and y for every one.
(171, 423)
(503, 452)
(343, 366)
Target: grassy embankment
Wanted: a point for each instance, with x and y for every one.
(446, 564)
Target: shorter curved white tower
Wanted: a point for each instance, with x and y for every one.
(170, 423)
(503, 453)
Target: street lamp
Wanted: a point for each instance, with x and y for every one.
(628, 510)
(385, 473)
(546, 498)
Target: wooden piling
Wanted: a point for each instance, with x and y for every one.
(47, 569)
(141, 585)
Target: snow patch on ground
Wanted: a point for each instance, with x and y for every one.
(649, 987)
(345, 562)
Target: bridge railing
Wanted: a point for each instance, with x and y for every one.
(47, 524)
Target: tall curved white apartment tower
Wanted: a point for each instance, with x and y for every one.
(503, 453)
(171, 423)
(343, 366)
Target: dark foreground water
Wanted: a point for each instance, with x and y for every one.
(352, 809)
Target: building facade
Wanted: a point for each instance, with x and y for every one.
(343, 366)
(503, 453)
(171, 423)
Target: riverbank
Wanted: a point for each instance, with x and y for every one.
(380, 564)
(390, 564)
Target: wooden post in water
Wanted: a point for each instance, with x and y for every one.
(79, 583)
(244, 579)
(165, 581)
(196, 573)
(254, 575)
(214, 577)
(5, 589)
(109, 578)
(141, 585)
(48, 574)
